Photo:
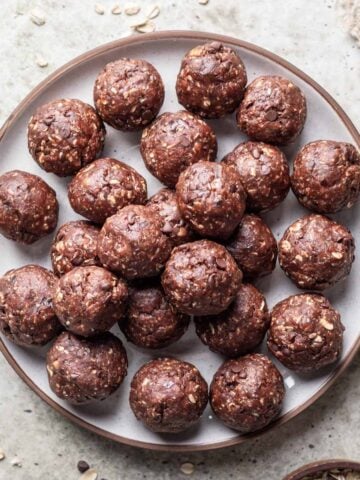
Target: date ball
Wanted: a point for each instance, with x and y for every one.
(178, 231)
(211, 81)
(273, 110)
(253, 247)
(247, 393)
(132, 243)
(151, 321)
(90, 300)
(326, 176)
(65, 135)
(168, 395)
(305, 333)
(201, 278)
(102, 188)
(211, 198)
(128, 94)
(28, 207)
(239, 329)
(81, 370)
(316, 252)
(264, 173)
(27, 315)
(75, 245)
(173, 142)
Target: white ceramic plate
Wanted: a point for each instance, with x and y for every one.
(326, 120)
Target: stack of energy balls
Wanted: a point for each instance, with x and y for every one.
(190, 250)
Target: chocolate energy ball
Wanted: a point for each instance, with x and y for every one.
(326, 176)
(102, 188)
(201, 278)
(168, 395)
(28, 207)
(211, 198)
(211, 81)
(264, 173)
(173, 142)
(27, 315)
(65, 135)
(90, 300)
(316, 252)
(75, 245)
(305, 333)
(128, 94)
(173, 225)
(151, 321)
(254, 247)
(81, 370)
(133, 244)
(273, 110)
(240, 328)
(247, 393)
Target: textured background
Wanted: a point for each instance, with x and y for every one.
(320, 37)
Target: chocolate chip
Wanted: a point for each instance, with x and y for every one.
(83, 466)
(256, 153)
(271, 115)
(221, 263)
(236, 368)
(215, 45)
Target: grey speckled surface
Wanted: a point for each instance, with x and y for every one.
(310, 34)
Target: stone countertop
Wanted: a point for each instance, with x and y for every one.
(309, 34)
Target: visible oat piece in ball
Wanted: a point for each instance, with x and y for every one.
(65, 135)
(273, 110)
(168, 395)
(81, 370)
(28, 207)
(211, 80)
(90, 300)
(211, 198)
(27, 315)
(75, 245)
(247, 393)
(316, 252)
(128, 94)
(104, 187)
(254, 247)
(239, 329)
(305, 333)
(264, 173)
(175, 141)
(201, 278)
(132, 243)
(173, 225)
(326, 176)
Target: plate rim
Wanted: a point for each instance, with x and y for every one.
(174, 35)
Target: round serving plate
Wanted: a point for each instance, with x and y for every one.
(321, 466)
(326, 120)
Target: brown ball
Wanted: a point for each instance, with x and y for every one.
(253, 247)
(90, 300)
(75, 245)
(104, 187)
(305, 333)
(28, 207)
(211, 198)
(65, 135)
(128, 94)
(264, 173)
(211, 81)
(247, 393)
(201, 278)
(175, 141)
(132, 243)
(27, 315)
(273, 110)
(168, 395)
(81, 370)
(326, 176)
(239, 329)
(316, 252)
